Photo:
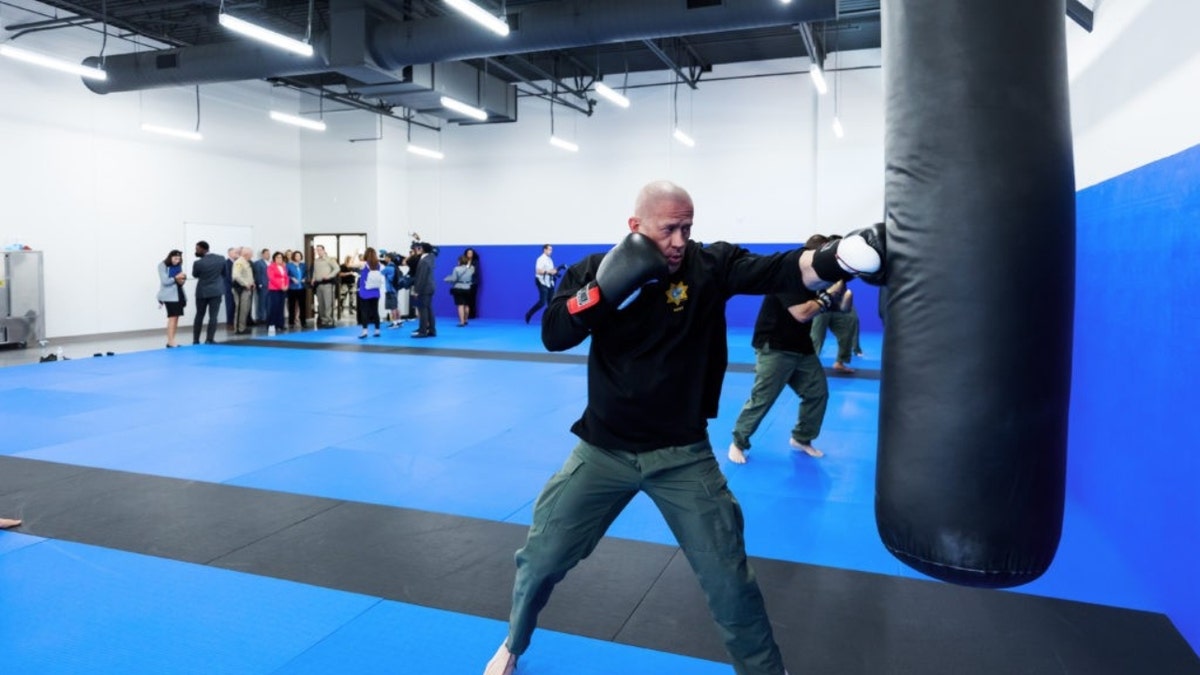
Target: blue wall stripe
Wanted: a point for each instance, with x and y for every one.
(507, 291)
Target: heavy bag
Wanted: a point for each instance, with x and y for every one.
(980, 200)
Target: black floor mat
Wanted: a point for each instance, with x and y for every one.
(826, 620)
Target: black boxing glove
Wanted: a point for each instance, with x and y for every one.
(861, 253)
(631, 264)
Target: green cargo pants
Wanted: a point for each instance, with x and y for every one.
(685, 482)
(845, 328)
(773, 370)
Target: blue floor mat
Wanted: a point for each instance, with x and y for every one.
(475, 437)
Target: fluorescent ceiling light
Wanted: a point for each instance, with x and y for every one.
(481, 16)
(565, 145)
(425, 152)
(818, 78)
(51, 62)
(315, 125)
(268, 36)
(177, 133)
(608, 93)
(684, 138)
(468, 110)
(837, 127)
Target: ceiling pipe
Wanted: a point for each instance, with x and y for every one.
(540, 26)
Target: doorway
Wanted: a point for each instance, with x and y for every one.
(339, 247)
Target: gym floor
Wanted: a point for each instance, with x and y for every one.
(313, 502)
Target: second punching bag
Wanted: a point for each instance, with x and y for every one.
(980, 275)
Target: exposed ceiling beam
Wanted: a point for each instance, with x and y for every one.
(669, 62)
(126, 25)
(541, 72)
(355, 101)
(812, 44)
(21, 29)
(1080, 14)
(699, 64)
(542, 92)
(583, 67)
(47, 23)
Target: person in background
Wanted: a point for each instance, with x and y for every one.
(422, 290)
(277, 286)
(208, 270)
(261, 305)
(243, 290)
(476, 279)
(544, 276)
(461, 280)
(843, 321)
(325, 277)
(784, 356)
(390, 300)
(402, 282)
(347, 287)
(295, 294)
(370, 285)
(231, 256)
(170, 291)
(412, 262)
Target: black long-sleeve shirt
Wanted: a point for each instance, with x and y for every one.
(777, 327)
(655, 368)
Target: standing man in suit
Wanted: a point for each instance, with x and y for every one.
(422, 290)
(260, 285)
(231, 257)
(209, 273)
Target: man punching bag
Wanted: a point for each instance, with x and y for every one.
(980, 276)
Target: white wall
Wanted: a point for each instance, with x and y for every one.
(106, 201)
(766, 166)
(1134, 84)
(339, 190)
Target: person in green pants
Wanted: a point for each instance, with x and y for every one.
(654, 308)
(842, 320)
(784, 356)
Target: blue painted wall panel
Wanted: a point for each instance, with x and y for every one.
(1134, 421)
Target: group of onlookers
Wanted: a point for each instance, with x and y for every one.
(257, 291)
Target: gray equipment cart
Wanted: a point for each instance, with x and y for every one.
(22, 298)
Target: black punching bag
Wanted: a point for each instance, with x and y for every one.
(980, 279)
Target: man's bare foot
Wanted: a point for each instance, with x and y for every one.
(503, 663)
(6, 523)
(806, 448)
(840, 367)
(736, 454)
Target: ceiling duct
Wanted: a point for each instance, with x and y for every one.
(546, 26)
(424, 85)
(381, 52)
(205, 64)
